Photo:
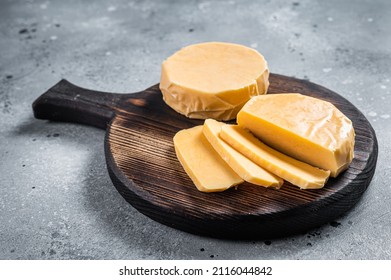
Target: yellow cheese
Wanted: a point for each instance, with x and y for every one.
(205, 167)
(306, 128)
(296, 172)
(213, 80)
(245, 168)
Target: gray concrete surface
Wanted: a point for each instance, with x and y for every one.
(56, 198)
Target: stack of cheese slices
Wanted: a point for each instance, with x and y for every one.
(287, 136)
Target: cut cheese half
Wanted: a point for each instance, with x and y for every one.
(245, 168)
(306, 128)
(213, 80)
(208, 171)
(296, 172)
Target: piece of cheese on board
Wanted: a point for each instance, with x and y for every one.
(244, 167)
(213, 80)
(296, 172)
(208, 171)
(306, 128)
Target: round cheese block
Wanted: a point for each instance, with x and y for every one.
(306, 128)
(213, 80)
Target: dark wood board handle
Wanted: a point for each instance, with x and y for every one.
(69, 103)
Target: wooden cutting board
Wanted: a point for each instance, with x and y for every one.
(143, 166)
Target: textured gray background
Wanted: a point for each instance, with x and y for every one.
(56, 198)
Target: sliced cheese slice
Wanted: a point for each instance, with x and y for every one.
(205, 167)
(213, 80)
(245, 168)
(306, 128)
(296, 172)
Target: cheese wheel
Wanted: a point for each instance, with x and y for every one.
(213, 80)
(309, 129)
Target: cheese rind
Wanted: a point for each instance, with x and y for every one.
(244, 167)
(309, 129)
(296, 172)
(213, 80)
(205, 167)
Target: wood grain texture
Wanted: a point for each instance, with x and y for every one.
(143, 166)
